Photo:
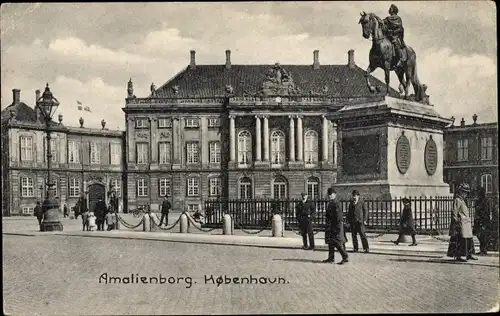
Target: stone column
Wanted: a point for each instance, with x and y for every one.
(130, 140)
(258, 139)
(266, 138)
(232, 138)
(325, 139)
(175, 141)
(292, 138)
(335, 144)
(300, 141)
(153, 126)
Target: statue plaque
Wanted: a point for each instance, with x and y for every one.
(403, 154)
(430, 157)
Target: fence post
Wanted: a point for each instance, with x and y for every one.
(117, 221)
(277, 226)
(184, 223)
(227, 228)
(153, 219)
(146, 223)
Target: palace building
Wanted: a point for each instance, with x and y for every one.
(239, 131)
(471, 155)
(85, 161)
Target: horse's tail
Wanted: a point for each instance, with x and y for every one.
(414, 77)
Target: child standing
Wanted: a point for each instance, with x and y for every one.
(92, 222)
(111, 220)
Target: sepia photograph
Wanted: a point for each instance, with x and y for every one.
(231, 158)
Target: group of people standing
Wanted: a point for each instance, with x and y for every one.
(461, 233)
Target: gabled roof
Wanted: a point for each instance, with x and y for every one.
(210, 80)
(24, 114)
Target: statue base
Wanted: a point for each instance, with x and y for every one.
(390, 148)
(50, 222)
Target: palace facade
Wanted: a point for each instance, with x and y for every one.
(471, 155)
(85, 161)
(239, 131)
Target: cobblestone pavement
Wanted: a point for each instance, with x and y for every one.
(60, 275)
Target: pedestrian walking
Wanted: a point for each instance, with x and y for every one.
(482, 221)
(357, 216)
(100, 213)
(461, 243)
(165, 210)
(37, 211)
(305, 213)
(334, 229)
(406, 224)
(65, 210)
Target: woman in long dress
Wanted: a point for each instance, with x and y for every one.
(461, 243)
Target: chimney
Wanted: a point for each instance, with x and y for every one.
(16, 96)
(228, 59)
(192, 64)
(316, 59)
(462, 122)
(37, 110)
(350, 59)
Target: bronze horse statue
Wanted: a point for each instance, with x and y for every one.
(382, 55)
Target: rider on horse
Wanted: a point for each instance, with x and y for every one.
(395, 32)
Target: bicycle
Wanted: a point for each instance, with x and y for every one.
(138, 212)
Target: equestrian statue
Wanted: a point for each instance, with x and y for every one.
(389, 51)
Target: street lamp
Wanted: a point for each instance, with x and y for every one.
(50, 207)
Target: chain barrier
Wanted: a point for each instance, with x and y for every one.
(252, 233)
(297, 232)
(155, 225)
(205, 230)
(130, 226)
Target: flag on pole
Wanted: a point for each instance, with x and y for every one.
(87, 108)
(80, 107)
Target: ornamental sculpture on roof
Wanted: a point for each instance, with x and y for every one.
(278, 81)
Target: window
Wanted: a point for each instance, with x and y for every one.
(214, 152)
(486, 183)
(164, 187)
(215, 186)
(279, 188)
(193, 186)
(245, 188)
(213, 122)
(164, 152)
(26, 148)
(164, 123)
(73, 152)
(115, 154)
(193, 208)
(116, 186)
(486, 148)
(191, 122)
(74, 187)
(193, 154)
(27, 210)
(53, 150)
(311, 147)
(142, 153)
(313, 188)
(95, 153)
(463, 150)
(277, 147)
(142, 187)
(141, 123)
(27, 189)
(244, 147)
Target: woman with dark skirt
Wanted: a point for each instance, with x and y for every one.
(406, 224)
(461, 243)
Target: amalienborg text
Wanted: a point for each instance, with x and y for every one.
(188, 281)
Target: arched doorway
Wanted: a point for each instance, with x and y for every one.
(96, 191)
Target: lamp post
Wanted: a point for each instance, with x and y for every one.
(50, 207)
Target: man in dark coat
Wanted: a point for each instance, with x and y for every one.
(100, 213)
(37, 211)
(482, 220)
(357, 217)
(406, 224)
(334, 230)
(65, 210)
(165, 210)
(395, 32)
(305, 213)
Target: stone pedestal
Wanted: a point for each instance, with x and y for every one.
(50, 222)
(390, 148)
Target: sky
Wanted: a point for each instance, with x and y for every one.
(88, 51)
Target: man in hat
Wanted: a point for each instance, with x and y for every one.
(165, 210)
(395, 32)
(482, 221)
(38, 213)
(305, 213)
(334, 229)
(406, 223)
(357, 216)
